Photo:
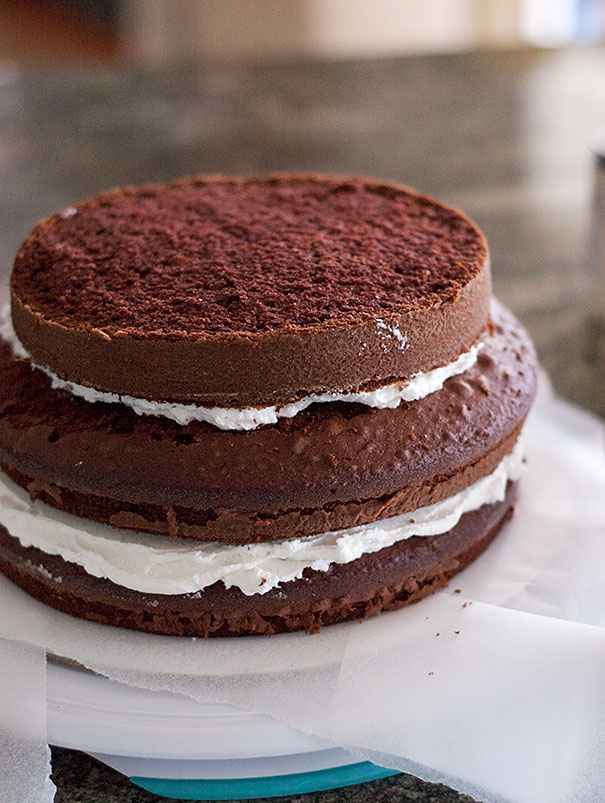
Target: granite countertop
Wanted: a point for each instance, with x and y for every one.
(507, 137)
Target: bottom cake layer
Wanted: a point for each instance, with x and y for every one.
(390, 578)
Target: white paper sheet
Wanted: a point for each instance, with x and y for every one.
(510, 708)
(24, 754)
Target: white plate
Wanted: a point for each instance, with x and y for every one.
(165, 735)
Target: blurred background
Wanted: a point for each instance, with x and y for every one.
(495, 106)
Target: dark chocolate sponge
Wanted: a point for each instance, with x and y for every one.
(236, 292)
(331, 467)
(395, 576)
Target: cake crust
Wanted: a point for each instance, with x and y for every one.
(250, 292)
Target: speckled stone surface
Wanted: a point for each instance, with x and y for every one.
(506, 137)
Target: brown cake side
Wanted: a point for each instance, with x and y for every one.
(236, 292)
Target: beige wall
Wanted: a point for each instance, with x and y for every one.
(171, 29)
(385, 27)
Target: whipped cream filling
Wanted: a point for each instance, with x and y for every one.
(387, 396)
(156, 565)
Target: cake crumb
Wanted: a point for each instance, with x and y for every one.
(171, 519)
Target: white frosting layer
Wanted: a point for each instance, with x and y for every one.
(159, 566)
(418, 386)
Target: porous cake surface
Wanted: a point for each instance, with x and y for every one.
(216, 257)
(250, 292)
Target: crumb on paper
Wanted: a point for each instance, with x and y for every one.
(456, 632)
(457, 591)
(431, 673)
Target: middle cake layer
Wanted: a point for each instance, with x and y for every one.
(332, 467)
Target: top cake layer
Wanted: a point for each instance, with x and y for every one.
(234, 292)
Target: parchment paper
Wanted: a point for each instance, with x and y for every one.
(24, 762)
(507, 703)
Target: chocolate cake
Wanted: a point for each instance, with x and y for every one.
(249, 406)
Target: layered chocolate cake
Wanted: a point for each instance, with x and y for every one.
(249, 406)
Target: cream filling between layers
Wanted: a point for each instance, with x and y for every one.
(155, 565)
(387, 396)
